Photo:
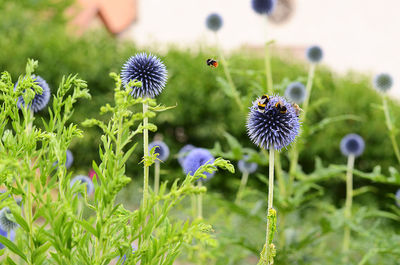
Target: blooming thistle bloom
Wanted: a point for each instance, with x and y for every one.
(184, 152)
(147, 69)
(272, 122)
(314, 54)
(296, 92)
(4, 233)
(214, 22)
(161, 149)
(263, 6)
(383, 82)
(40, 100)
(352, 144)
(398, 197)
(84, 180)
(5, 222)
(247, 167)
(197, 158)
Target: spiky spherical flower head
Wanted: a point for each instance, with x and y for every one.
(6, 220)
(82, 179)
(263, 6)
(352, 144)
(195, 159)
(149, 70)
(397, 195)
(383, 82)
(214, 22)
(314, 54)
(10, 235)
(40, 100)
(296, 92)
(161, 149)
(182, 154)
(247, 167)
(272, 122)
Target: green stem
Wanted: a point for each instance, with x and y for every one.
(294, 154)
(228, 76)
(310, 80)
(270, 202)
(392, 133)
(194, 206)
(242, 186)
(199, 202)
(348, 204)
(156, 176)
(146, 153)
(267, 58)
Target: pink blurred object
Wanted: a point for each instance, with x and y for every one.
(92, 173)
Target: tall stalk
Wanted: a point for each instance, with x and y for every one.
(243, 183)
(392, 131)
(268, 253)
(228, 76)
(348, 204)
(199, 201)
(146, 153)
(156, 176)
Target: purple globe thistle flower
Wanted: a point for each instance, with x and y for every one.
(247, 167)
(84, 180)
(397, 195)
(10, 234)
(263, 6)
(383, 82)
(161, 149)
(314, 54)
(272, 122)
(214, 22)
(195, 159)
(147, 69)
(5, 222)
(296, 92)
(40, 100)
(352, 144)
(184, 152)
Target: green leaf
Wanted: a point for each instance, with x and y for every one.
(12, 247)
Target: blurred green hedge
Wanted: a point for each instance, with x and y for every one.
(204, 112)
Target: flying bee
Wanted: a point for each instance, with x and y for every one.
(262, 102)
(281, 107)
(297, 109)
(212, 63)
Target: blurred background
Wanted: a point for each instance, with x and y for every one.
(359, 39)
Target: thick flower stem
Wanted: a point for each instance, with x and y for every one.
(156, 176)
(294, 153)
(199, 202)
(392, 132)
(228, 76)
(193, 199)
(310, 80)
(146, 153)
(348, 205)
(266, 255)
(243, 183)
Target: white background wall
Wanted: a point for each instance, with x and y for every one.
(363, 35)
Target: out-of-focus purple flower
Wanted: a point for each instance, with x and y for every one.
(84, 180)
(161, 149)
(263, 6)
(247, 167)
(352, 144)
(214, 22)
(10, 235)
(184, 152)
(195, 159)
